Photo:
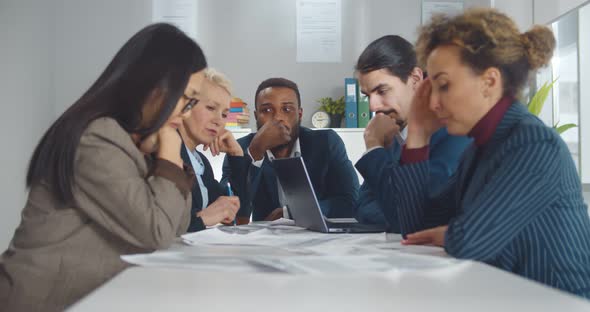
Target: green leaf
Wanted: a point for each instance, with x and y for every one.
(332, 106)
(536, 104)
(563, 128)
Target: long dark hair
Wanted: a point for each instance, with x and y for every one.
(390, 52)
(152, 68)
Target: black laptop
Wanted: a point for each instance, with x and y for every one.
(302, 203)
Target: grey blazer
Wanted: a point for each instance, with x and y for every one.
(122, 205)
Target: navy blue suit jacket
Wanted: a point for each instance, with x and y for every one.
(333, 177)
(515, 203)
(377, 201)
(214, 189)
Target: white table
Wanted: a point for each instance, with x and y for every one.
(464, 286)
(477, 288)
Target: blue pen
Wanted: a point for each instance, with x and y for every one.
(230, 193)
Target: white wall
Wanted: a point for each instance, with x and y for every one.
(546, 11)
(520, 11)
(26, 40)
(248, 46)
(584, 63)
(88, 34)
(252, 46)
(529, 12)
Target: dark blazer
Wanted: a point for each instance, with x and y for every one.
(377, 203)
(332, 175)
(515, 203)
(214, 188)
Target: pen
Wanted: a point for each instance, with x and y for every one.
(230, 193)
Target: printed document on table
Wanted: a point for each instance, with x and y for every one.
(263, 237)
(221, 258)
(181, 260)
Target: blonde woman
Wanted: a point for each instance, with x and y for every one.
(206, 126)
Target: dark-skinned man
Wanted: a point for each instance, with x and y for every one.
(278, 115)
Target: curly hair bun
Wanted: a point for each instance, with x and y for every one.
(539, 44)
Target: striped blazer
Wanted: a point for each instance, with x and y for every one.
(515, 203)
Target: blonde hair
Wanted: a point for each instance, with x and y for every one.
(216, 77)
(488, 38)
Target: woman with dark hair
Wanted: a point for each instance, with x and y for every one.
(516, 200)
(107, 179)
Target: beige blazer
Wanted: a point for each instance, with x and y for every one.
(60, 253)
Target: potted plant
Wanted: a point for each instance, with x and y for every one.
(334, 108)
(536, 103)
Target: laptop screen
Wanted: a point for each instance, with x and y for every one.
(299, 195)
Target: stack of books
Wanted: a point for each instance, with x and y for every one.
(239, 115)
